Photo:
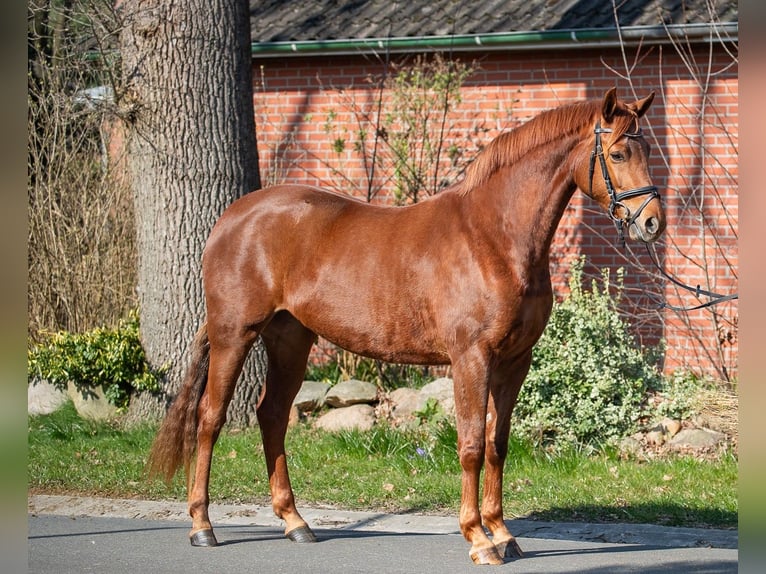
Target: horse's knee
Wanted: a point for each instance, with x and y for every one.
(471, 456)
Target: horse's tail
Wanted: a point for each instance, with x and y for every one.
(176, 441)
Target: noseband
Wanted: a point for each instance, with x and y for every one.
(616, 199)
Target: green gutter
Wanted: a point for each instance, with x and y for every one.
(545, 39)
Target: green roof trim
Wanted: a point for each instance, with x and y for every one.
(544, 39)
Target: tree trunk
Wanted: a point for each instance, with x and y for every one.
(188, 100)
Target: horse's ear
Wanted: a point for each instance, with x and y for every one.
(609, 105)
(642, 105)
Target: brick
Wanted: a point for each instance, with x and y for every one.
(295, 95)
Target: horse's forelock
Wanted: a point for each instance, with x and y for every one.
(625, 121)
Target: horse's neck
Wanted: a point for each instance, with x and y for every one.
(523, 203)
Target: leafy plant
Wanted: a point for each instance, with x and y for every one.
(109, 358)
(589, 378)
(407, 140)
(415, 125)
(431, 411)
(679, 394)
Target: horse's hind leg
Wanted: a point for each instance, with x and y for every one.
(288, 344)
(227, 355)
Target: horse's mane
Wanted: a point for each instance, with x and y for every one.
(554, 124)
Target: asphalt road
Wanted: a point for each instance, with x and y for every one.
(77, 535)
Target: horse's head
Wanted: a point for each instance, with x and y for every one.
(617, 174)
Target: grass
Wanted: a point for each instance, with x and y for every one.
(392, 470)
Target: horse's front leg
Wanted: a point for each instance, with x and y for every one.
(470, 376)
(504, 389)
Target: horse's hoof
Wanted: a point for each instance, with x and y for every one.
(486, 556)
(509, 549)
(301, 534)
(203, 538)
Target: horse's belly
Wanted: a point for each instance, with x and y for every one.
(395, 336)
(407, 352)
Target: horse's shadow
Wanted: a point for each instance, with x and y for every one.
(240, 534)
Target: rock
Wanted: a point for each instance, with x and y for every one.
(706, 421)
(43, 398)
(697, 438)
(294, 417)
(630, 445)
(655, 437)
(671, 426)
(311, 396)
(91, 404)
(405, 402)
(443, 391)
(355, 417)
(351, 392)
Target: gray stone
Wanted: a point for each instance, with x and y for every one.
(697, 438)
(92, 404)
(443, 391)
(351, 392)
(311, 396)
(706, 421)
(43, 398)
(405, 402)
(655, 437)
(355, 417)
(630, 445)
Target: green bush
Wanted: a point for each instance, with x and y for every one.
(679, 395)
(589, 379)
(110, 358)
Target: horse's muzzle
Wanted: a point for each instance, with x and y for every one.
(647, 229)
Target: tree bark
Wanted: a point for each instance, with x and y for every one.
(191, 148)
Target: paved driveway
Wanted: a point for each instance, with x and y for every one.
(74, 535)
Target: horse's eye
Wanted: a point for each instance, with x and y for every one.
(617, 156)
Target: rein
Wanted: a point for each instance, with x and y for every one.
(615, 198)
(715, 298)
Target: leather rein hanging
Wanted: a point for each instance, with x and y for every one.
(715, 298)
(615, 201)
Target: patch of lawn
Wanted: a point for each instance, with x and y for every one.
(392, 470)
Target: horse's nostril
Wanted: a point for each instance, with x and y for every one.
(651, 225)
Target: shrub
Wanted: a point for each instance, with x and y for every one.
(110, 358)
(589, 379)
(679, 396)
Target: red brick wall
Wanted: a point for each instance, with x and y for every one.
(303, 104)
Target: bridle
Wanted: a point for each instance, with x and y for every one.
(615, 198)
(615, 201)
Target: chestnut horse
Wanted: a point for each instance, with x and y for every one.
(461, 278)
